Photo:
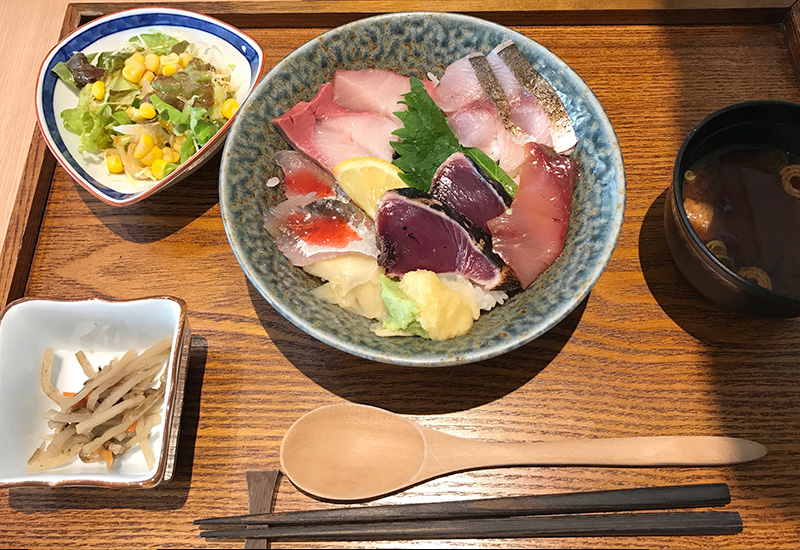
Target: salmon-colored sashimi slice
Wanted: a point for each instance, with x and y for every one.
(373, 91)
(329, 133)
(531, 234)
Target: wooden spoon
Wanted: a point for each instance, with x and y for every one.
(357, 452)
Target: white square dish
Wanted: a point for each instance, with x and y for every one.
(103, 330)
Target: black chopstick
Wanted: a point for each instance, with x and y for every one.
(618, 500)
(575, 525)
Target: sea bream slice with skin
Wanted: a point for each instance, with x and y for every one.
(374, 91)
(308, 229)
(416, 231)
(534, 104)
(328, 133)
(460, 183)
(478, 111)
(531, 234)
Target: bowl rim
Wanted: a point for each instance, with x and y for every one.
(172, 401)
(677, 195)
(559, 312)
(212, 144)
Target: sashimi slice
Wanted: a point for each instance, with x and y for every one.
(478, 126)
(479, 113)
(328, 133)
(302, 176)
(416, 231)
(531, 234)
(562, 132)
(546, 183)
(528, 242)
(458, 87)
(461, 184)
(308, 229)
(373, 91)
(526, 112)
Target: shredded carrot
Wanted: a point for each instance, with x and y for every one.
(132, 427)
(109, 458)
(68, 393)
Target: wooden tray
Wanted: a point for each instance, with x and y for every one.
(643, 355)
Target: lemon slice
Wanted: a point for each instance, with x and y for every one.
(366, 179)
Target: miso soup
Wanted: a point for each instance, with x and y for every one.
(744, 204)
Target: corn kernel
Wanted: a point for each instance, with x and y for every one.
(133, 71)
(153, 154)
(143, 146)
(152, 62)
(185, 58)
(169, 70)
(114, 164)
(171, 59)
(146, 110)
(157, 168)
(148, 76)
(135, 57)
(98, 90)
(229, 108)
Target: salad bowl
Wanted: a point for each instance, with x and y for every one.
(109, 33)
(416, 44)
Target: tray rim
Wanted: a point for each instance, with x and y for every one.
(19, 245)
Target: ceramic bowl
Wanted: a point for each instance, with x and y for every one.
(103, 329)
(753, 124)
(109, 33)
(414, 44)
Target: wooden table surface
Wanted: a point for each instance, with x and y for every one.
(643, 355)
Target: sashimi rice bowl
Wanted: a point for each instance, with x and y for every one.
(423, 189)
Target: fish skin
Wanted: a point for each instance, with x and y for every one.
(449, 243)
(562, 131)
(495, 92)
(328, 133)
(526, 111)
(460, 183)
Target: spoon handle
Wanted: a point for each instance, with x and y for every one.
(630, 451)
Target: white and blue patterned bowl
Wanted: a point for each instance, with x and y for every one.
(413, 44)
(109, 33)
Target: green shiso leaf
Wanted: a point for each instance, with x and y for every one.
(426, 141)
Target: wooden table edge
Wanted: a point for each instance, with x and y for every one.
(19, 245)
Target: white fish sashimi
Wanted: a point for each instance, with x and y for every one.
(526, 112)
(371, 90)
(308, 229)
(459, 87)
(481, 128)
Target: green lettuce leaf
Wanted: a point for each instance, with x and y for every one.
(92, 122)
(426, 141)
(112, 61)
(205, 130)
(120, 92)
(158, 42)
(188, 148)
(62, 72)
(169, 168)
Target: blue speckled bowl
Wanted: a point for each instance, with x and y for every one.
(414, 44)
